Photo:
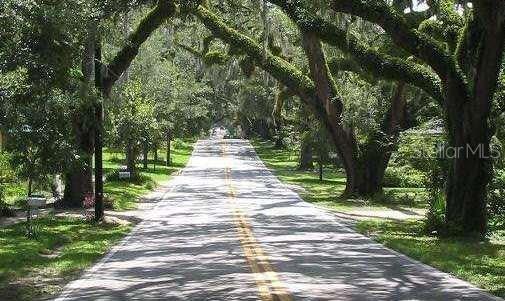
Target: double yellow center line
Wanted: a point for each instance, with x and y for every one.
(270, 287)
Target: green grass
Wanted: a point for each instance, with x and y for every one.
(126, 193)
(32, 268)
(481, 263)
(327, 193)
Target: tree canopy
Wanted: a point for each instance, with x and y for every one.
(365, 71)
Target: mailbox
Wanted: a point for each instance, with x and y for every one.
(124, 175)
(33, 203)
(36, 202)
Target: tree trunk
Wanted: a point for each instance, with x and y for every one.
(470, 168)
(320, 170)
(263, 129)
(305, 162)
(79, 179)
(56, 187)
(77, 185)
(131, 156)
(169, 149)
(469, 131)
(99, 206)
(145, 154)
(279, 140)
(277, 115)
(155, 157)
(30, 185)
(466, 194)
(377, 152)
(373, 166)
(329, 108)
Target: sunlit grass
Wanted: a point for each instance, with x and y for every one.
(283, 162)
(125, 193)
(31, 268)
(481, 263)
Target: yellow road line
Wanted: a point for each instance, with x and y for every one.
(270, 287)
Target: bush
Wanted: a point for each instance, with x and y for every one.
(6, 174)
(435, 216)
(178, 144)
(435, 183)
(404, 177)
(108, 202)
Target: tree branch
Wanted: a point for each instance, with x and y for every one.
(411, 40)
(283, 71)
(382, 65)
(191, 50)
(125, 56)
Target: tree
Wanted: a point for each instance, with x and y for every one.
(132, 123)
(464, 53)
(41, 31)
(110, 73)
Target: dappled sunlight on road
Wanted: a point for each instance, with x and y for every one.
(191, 245)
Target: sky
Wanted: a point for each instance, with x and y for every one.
(420, 7)
(424, 6)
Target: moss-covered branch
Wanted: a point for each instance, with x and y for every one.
(325, 85)
(190, 49)
(337, 65)
(283, 71)
(281, 95)
(410, 39)
(287, 74)
(125, 56)
(379, 64)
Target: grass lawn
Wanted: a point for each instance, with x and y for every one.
(481, 263)
(32, 268)
(326, 193)
(125, 193)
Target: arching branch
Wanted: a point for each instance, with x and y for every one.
(125, 56)
(286, 73)
(190, 49)
(384, 66)
(406, 37)
(337, 65)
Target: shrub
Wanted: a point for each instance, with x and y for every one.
(404, 177)
(435, 216)
(108, 202)
(178, 144)
(6, 175)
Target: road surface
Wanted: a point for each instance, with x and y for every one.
(227, 229)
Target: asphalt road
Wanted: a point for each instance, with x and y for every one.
(227, 229)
